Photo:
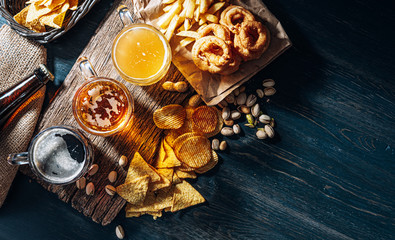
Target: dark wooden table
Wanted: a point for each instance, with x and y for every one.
(328, 174)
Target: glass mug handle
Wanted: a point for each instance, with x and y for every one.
(126, 16)
(86, 68)
(18, 158)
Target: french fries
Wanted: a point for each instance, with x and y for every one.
(180, 16)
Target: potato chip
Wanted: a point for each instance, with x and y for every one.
(183, 175)
(220, 123)
(169, 117)
(185, 196)
(153, 201)
(185, 168)
(210, 165)
(188, 124)
(205, 119)
(194, 151)
(179, 140)
(135, 190)
(139, 167)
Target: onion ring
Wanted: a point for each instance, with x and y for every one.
(233, 17)
(216, 30)
(211, 54)
(252, 41)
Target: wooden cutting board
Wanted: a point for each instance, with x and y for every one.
(141, 134)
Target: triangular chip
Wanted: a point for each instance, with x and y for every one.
(171, 160)
(166, 173)
(135, 190)
(159, 162)
(55, 19)
(139, 167)
(154, 201)
(164, 182)
(183, 175)
(133, 214)
(176, 179)
(185, 196)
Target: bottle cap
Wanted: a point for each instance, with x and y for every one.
(46, 72)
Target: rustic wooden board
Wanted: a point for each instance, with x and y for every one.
(140, 135)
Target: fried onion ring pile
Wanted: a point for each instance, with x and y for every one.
(233, 16)
(252, 41)
(212, 54)
(239, 37)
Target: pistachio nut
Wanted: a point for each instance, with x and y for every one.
(93, 169)
(225, 113)
(230, 98)
(268, 83)
(236, 129)
(235, 115)
(250, 119)
(270, 91)
(242, 88)
(261, 134)
(123, 161)
(260, 93)
(241, 99)
(251, 100)
(236, 92)
(81, 183)
(223, 145)
(269, 131)
(244, 109)
(110, 190)
(227, 131)
(215, 144)
(249, 125)
(90, 189)
(229, 122)
(255, 110)
(223, 104)
(119, 232)
(265, 119)
(112, 176)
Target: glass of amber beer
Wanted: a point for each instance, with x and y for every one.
(140, 53)
(101, 106)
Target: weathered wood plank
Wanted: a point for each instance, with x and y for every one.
(140, 134)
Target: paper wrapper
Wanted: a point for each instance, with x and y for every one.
(213, 87)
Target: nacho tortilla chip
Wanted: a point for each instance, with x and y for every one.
(154, 201)
(169, 117)
(166, 173)
(135, 190)
(139, 167)
(183, 175)
(176, 179)
(55, 19)
(163, 183)
(185, 196)
(169, 160)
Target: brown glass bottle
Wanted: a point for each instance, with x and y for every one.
(13, 97)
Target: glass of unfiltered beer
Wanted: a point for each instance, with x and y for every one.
(57, 155)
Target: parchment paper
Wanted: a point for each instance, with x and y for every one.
(214, 87)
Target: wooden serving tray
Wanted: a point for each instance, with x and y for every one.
(140, 135)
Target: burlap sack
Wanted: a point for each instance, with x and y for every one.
(18, 58)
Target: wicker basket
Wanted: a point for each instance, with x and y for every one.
(8, 8)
